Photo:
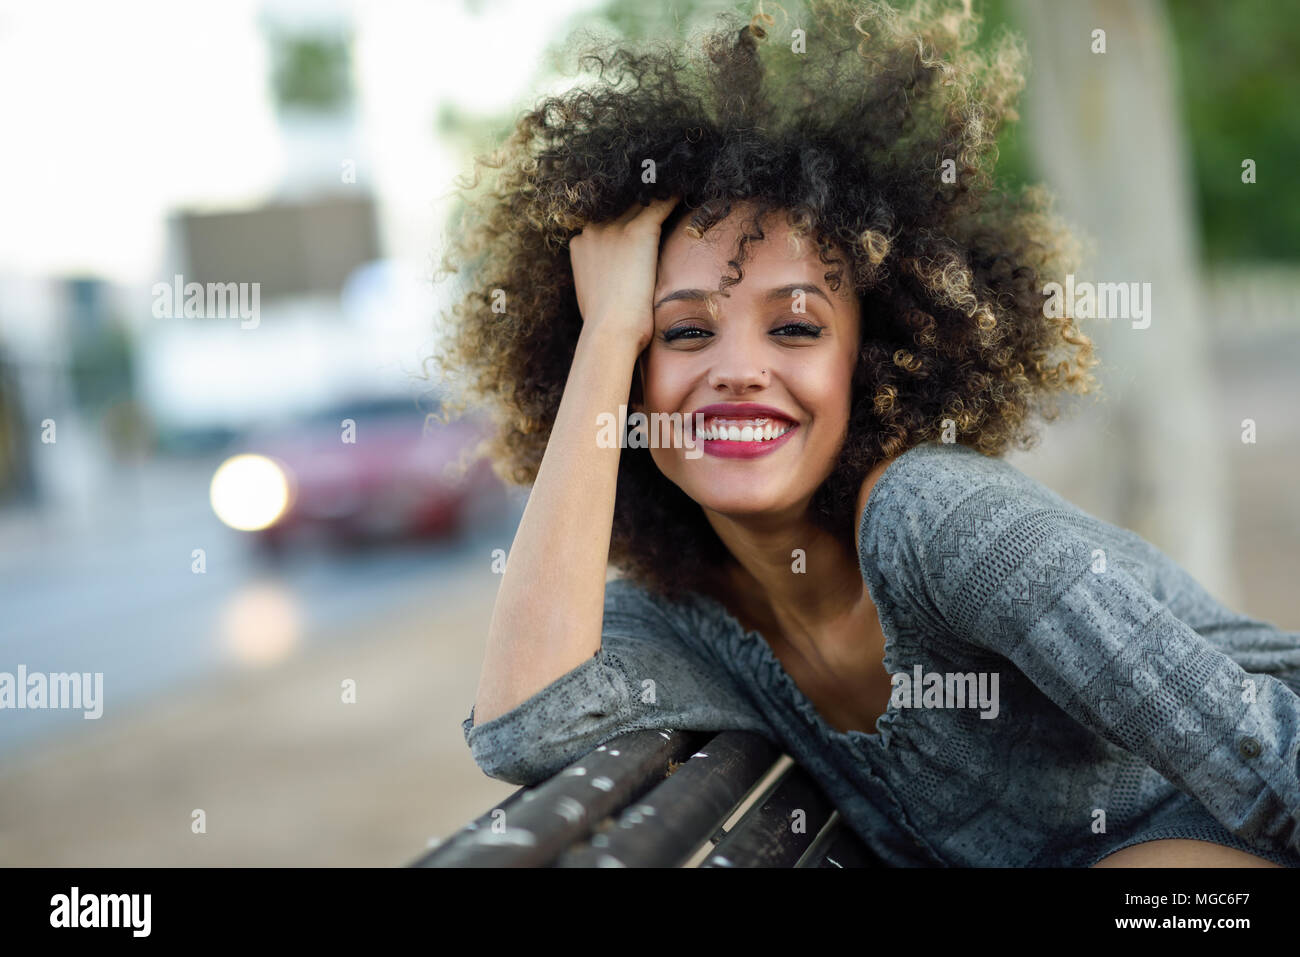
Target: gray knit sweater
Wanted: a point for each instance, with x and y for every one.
(1062, 688)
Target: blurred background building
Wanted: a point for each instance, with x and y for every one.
(311, 148)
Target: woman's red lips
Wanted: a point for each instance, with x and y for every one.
(742, 410)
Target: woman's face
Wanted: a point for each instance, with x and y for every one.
(781, 339)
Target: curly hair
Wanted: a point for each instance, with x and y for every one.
(877, 141)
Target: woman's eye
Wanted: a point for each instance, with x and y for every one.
(681, 333)
(800, 329)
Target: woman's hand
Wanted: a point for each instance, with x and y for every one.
(615, 266)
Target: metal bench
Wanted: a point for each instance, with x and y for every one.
(663, 798)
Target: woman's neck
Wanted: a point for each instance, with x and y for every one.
(796, 580)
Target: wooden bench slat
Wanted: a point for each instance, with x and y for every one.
(539, 823)
(668, 825)
(838, 846)
(432, 856)
(766, 835)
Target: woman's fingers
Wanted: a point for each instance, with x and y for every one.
(614, 270)
(656, 211)
(629, 214)
(659, 209)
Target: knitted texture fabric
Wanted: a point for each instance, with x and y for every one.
(1130, 704)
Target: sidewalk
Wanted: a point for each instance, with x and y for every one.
(286, 773)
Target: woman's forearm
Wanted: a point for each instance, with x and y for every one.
(550, 606)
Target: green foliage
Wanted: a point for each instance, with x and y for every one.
(310, 72)
(1015, 168)
(1240, 77)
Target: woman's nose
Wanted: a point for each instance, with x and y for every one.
(738, 370)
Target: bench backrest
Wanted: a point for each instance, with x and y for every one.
(663, 798)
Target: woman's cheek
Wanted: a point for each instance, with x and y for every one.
(666, 460)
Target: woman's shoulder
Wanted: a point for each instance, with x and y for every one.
(933, 474)
(929, 479)
(936, 495)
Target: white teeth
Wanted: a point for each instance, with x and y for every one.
(763, 430)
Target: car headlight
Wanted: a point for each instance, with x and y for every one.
(249, 492)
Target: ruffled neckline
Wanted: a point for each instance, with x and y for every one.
(753, 657)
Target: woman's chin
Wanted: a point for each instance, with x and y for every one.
(735, 504)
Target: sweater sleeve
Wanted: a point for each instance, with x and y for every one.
(643, 676)
(1029, 581)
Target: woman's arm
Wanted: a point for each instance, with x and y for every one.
(1001, 571)
(547, 617)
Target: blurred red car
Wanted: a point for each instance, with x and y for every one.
(360, 470)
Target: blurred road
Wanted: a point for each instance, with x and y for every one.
(119, 594)
(223, 690)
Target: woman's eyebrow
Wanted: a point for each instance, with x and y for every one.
(780, 292)
(680, 294)
(790, 291)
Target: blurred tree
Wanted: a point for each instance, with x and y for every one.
(101, 365)
(1106, 133)
(310, 72)
(16, 476)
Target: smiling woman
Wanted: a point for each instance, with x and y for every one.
(856, 338)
